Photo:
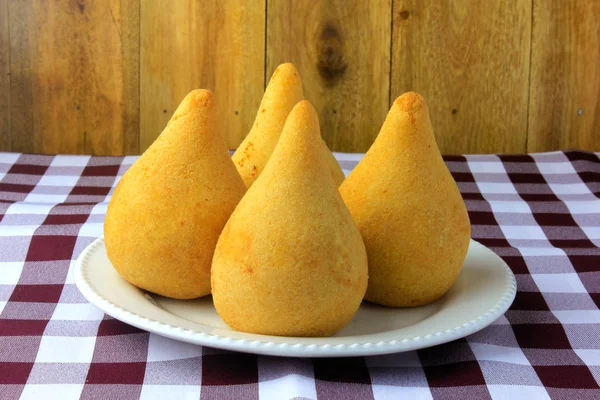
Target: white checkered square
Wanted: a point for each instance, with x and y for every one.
(77, 312)
(490, 352)
(512, 392)
(161, 392)
(70, 279)
(28, 208)
(569, 188)
(523, 232)
(559, 283)
(56, 180)
(164, 349)
(10, 272)
(592, 232)
(287, 387)
(583, 207)
(70, 161)
(577, 316)
(100, 208)
(52, 392)
(91, 229)
(553, 168)
(589, 356)
(499, 206)
(18, 230)
(9, 158)
(385, 392)
(64, 349)
(485, 167)
(46, 198)
(541, 251)
(488, 187)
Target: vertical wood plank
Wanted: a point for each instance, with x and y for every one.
(342, 51)
(4, 79)
(564, 110)
(470, 60)
(74, 76)
(190, 44)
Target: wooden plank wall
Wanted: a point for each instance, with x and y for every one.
(500, 76)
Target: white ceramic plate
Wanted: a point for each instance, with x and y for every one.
(483, 291)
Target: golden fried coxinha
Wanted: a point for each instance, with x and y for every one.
(283, 92)
(166, 214)
(409, 210)
(290, 260)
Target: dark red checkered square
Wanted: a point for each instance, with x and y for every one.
(596, 298)
(581, 156)
(463, 177)
(573, 244)
(532, 301)
(22, 327)
(526, 178)
(566, 376)
(516, 264)
(541, 336)
(351, 370)
(51, 248)
(589, 177)
(131, 373)
(538, 197)
(482, 218)
(28, 169)
(465, 373)
(473, 196)
(90, 190)
(453, 157)
(15, 188)
(15, 373)
(549, 219)
(65, 219)
(37, 293)
(585, 263)
(101, 170)
(229, 369)
(516, 158)
(494, 242)
(111, 327)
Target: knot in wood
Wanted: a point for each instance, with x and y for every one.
(330, 54)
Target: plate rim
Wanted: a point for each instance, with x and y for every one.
(266, 347)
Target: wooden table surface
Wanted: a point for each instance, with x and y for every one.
(502, 76)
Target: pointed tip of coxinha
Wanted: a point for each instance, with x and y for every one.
(300, 149)
(409, 114)
(198, 99)
(410, 102)
(302, 126)
(406, 131)
(283, 92)
(284, 74)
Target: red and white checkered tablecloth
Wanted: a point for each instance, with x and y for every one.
(539, 212)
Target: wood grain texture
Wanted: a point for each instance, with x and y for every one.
(74, 76)
(470, 60)
(342, 51)
(191, 44)
(4, 79)
(564, 110)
